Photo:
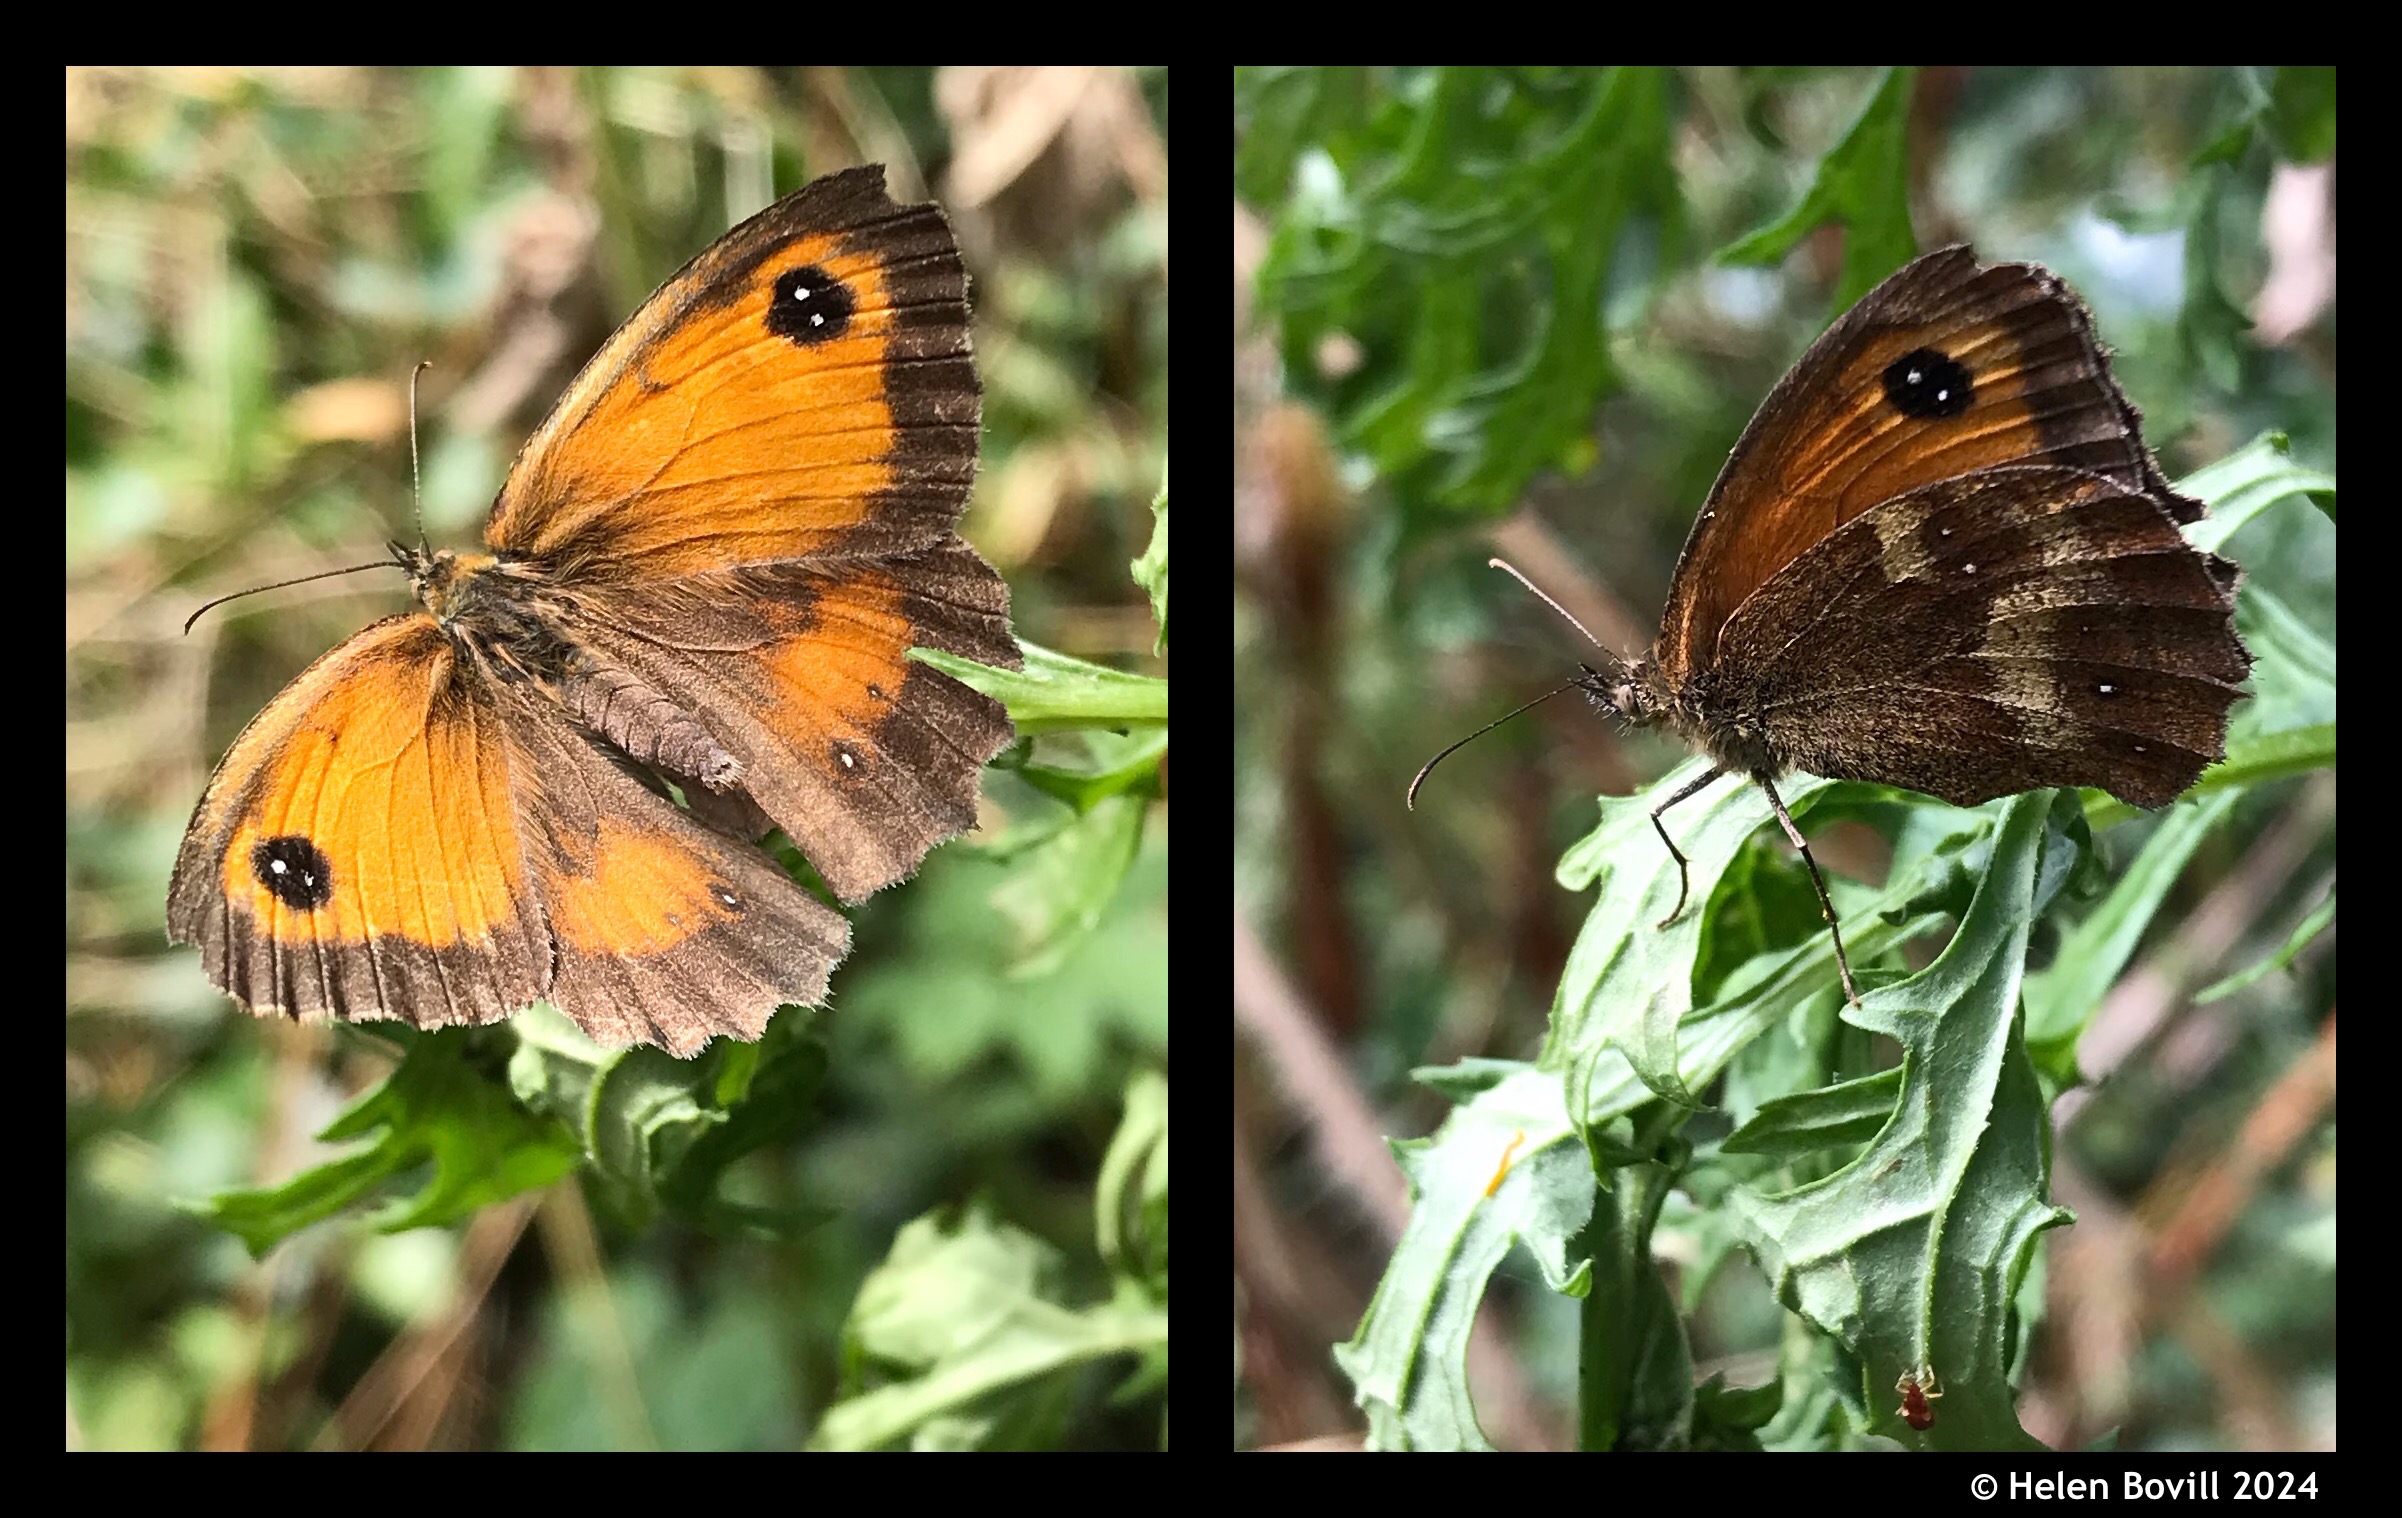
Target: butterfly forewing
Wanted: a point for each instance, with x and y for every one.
(1942, 370)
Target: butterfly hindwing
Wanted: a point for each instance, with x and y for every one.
(2103, 646)
(664, 932)
(864, 757)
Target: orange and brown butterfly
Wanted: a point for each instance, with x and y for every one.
(706, 567)
(1941, 557)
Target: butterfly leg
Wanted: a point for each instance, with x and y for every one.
(1683, 872)
(1826, 908)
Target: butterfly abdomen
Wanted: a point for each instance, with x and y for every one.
(621, 707)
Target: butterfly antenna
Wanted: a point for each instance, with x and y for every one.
(416, 484)
(1411, 800)
(281, 584)
(1507, 568)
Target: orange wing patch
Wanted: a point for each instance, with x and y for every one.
(664, 932)
(644, 895)
(2005, 369)
(865, 758)
(357, 847)
(777, 396)
(397, 837)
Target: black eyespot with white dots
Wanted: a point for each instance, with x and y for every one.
(294, 871)
(810, 306)
(1926, 383)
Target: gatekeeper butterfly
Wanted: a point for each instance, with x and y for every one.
(706, 567)
(1941, 558)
